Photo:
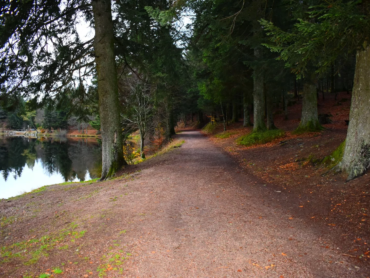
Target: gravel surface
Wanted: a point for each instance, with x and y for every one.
(209, 219)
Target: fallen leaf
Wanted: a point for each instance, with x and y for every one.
(283, 254)
(239, 270)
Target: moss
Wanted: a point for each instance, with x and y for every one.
(259, 129)
(209, 128)
(333, 159)
(112, 170)
(224, 135)
(309, 127)
(260, 137)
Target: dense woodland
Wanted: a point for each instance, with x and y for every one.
(146, 69)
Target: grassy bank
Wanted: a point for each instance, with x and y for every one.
(72, 227)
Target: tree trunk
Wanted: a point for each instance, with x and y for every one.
(310, 118)
(258, 96)
(142, 142)
(170, 129)
(295, 88)
(356, 158)
(269, 112)
(223, 116)
(235, 111)
(112, 152)
(246, 113)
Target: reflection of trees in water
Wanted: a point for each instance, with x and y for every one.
(70, 159)
(15, 153)
(85, 156)
(56, 158)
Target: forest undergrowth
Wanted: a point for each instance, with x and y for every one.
(301, 165)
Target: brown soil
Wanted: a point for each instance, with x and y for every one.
(196, 212)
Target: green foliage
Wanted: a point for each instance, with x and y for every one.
(262, 137)
(16, 110)
(209, 128)
(95, 123)
(57, 270)
(224, 135)
(325, 32)
(55, 119)
(15, 121)
(336, 157)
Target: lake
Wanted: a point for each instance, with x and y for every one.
(27, 164)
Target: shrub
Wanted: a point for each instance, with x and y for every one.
(224, 135)
(209, 128)
(260, 137)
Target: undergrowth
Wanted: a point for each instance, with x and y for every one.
(172, 145)
(224, 135)
(209, 128)
(260, 137)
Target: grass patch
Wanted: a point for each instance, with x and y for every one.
(4, 221)
(209, 128)
(261, 137)
(224, 135)
(113, 262)
(43, 188)
(37, 190)
(333, 159)
(172, 145)
(30, 251)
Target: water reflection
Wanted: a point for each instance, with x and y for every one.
(45, 161)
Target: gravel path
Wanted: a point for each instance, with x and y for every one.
(204, 217)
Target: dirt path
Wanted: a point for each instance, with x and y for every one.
(191, 212)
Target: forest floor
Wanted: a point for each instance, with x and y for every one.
(197, 211)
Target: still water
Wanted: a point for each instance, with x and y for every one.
(27, 164)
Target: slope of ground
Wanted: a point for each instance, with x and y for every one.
(291, 167)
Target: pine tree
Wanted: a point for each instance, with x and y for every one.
(341, 27)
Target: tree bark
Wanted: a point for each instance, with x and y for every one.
(112, 152)
(142, 144)
(269, 112)
(223, 116)
(235, 111)
(258, 96)
(310, 117)
(246, 112)
(356, 158)
(170, 128)
(295, 88)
